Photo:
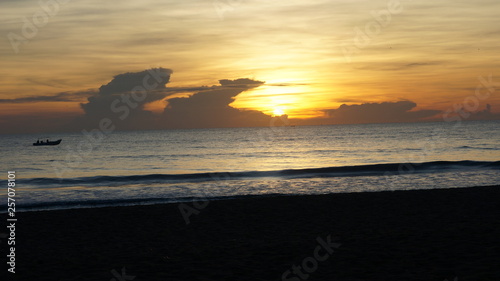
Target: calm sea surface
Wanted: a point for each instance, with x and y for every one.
(145, 167)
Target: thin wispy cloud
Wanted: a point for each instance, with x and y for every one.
(60, 97)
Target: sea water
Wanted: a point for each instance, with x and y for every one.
(145, 167)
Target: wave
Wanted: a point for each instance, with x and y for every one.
(339, 171)
(478, 148)
(77, 204)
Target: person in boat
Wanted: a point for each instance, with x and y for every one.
(47, 140)
(37, 141)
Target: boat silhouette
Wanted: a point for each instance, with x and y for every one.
(38, 142)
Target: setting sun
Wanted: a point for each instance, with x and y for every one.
(278, 111)
(276, 98)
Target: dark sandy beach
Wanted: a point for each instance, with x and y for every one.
(404, 235)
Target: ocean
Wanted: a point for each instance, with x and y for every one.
(93, 169)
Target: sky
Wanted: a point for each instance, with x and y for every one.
(161, 64)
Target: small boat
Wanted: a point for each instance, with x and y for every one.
(38, 142)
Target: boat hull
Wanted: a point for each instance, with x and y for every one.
(48, 143)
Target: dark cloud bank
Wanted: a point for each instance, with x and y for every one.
(385, 112)
(121, 102)
(123, 99)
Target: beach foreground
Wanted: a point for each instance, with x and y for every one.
(401, 235)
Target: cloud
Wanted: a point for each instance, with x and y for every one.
(415, 64)
(154, 78)
(210, 109)
(60, 97)
(397, 66)
(242, 83)
(378, 113)
(485, 114)
(122, 100)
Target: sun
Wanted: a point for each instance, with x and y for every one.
(278, 111)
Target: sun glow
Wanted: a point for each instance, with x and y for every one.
(278, 111)
(276, 98)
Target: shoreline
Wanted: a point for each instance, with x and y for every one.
(42, 207)
(433, 234)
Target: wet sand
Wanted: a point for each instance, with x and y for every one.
(403, 235)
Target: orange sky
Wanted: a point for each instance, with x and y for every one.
(313, 56)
